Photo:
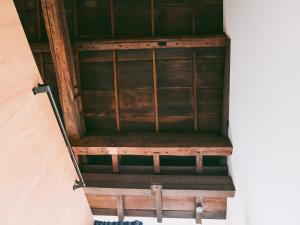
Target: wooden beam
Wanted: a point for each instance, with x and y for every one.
(56, 26)
(225, 110)
(199, 210)
(149, 43)
(188, 144)
(156, 163)
(199, 163)
(164, 170)
(220, 215)
(156, 43)
(158, 201)
(155, 90)
(195, 101)
(115, 163)
(120, 207)
(181, 185)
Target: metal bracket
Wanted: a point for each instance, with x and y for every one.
(43, 88)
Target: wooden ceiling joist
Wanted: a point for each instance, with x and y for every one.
(184, 144)
(172, 185)
(143, 43)
(61, 51)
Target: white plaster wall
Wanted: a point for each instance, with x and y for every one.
(264, 110)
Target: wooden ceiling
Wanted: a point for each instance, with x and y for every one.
(143, 86)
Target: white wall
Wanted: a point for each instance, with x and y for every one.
(264, 110)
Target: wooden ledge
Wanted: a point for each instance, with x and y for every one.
(185, 144)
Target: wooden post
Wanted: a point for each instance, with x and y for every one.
(199, 210)
(120, 207)
(156, 163)
(60, 46)
(157, 189)
(115, 163)
(199, 163)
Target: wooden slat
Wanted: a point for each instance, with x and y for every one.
(225, 111)
(166, 213)
(120, 207)
(156, 43)
(116, 92)
(158, 201)
(188, 144)
(195, 102)
(154, 68)
(56, 26)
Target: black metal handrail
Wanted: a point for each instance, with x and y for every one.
(47, 89)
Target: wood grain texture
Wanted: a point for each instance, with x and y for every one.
(62, 57)
(148, 144)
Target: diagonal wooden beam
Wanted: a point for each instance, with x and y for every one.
(60, 46)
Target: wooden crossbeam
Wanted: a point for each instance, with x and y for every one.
(165, 170)
(180, 185)
(56, 26)
(188, 144)
(146, 43)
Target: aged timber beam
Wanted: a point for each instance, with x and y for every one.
(187, 144)
(60, 46)
(172, 185)
(149, 43)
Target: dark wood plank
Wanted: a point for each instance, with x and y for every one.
(144, 43)
(183, 42)
(148, 144)
(60, 46)
(225, 108)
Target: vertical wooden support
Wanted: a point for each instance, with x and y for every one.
(76, 54)
(115, 163)
(199, 163)
(156, 163)
(226, 89)
(194, 69)
(154, 67)
(60, 46)
(38, 19)
(195, 102)
(199, 210)
(115, 68)
(120, 207)
(155, 90)
(157, 190)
